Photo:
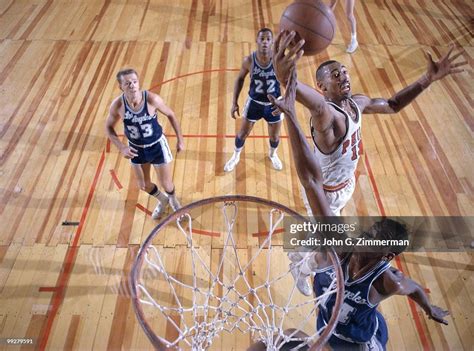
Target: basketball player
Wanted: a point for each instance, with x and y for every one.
(336, 115)
(349, 7)
(262, 82)
(368, 277)
(147, 145)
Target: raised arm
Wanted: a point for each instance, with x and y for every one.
(110, 122)
(307, 166)
(238, 84)
(436, 70)
(285, 56)
(159, 104)
(396, 283)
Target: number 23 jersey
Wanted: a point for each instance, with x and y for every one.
(141, 128)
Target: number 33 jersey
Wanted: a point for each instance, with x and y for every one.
(262, 81)
(141, 128)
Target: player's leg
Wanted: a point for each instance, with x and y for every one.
(142, 175)
(339, 198)
(245, 129)
(164, 173)
(349, 8)
(274, 133)
(162, 158)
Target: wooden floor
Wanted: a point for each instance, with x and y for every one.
(72, 218)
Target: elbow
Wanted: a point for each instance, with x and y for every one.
(394, 106)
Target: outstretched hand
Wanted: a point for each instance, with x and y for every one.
(446, 65)
(287, 104)
(283, 60)
(437, 314)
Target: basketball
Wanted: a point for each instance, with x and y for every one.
(313, 21)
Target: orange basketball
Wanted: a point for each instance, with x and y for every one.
(313, 21)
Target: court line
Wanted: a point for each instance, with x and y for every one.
(143, 208)
(196, 231)
(71, 253)
(221, 136)
(68, 263)
(115, 179)
(264, 233)
(419, 326)
(198, 72)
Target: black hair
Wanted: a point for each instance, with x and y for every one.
(389, 229)
(320, 70)
(265, 29)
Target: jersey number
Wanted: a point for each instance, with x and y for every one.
(147, 131)
(270, 86)
(346, 313)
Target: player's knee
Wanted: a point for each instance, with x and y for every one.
(168, 186)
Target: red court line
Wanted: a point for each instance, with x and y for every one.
(204, 232)
(195, 231)
(198, 72)
(48, 289)
(265, 233)
(69, 260)
(115, 179)
(144, 209)
(414, 312)
(220, 136)
(374, 186)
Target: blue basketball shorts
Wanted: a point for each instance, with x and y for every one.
(158, 153)
(256, 110)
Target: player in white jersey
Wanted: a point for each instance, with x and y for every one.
(336, 113)
(339, 166)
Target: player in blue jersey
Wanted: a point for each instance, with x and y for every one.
(147, 145)
(369, 279)
(262, 82)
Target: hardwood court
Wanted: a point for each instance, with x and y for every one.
(72, 218)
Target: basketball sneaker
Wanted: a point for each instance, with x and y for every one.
(174, 203)
(160, 207)
(234, 160)
(301, 280)
(352, 46)
(276, 163)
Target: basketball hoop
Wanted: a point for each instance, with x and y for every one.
(232, 290)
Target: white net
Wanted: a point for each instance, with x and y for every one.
(247, 291)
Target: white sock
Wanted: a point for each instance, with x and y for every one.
(353, 37)
(273, 151)
(237, 151)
